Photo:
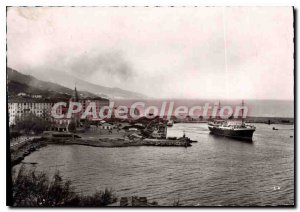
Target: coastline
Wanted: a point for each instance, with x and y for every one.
(19, 152)
(88, 153)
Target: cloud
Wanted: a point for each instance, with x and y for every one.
(162, 52)
(112, 63)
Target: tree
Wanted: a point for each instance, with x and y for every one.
(37, 189)
(30, 122)
(86, 123)
(72, 127)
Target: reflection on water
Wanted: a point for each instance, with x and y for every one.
(214, 171)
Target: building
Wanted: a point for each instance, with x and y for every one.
(42, 107)
(125, 115)
(36, 96)
(106, 126)
(99, 102)
(85, 102)
(18, 107)
(22, 94)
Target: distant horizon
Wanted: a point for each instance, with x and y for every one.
(210, 99)
(257, 108)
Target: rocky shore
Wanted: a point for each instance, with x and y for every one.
(19, 152)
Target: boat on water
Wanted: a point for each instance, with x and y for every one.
(233, 130)
(237, 129)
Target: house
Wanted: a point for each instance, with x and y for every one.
(59, 128)
(18, 107)
(36, 96)
(22, 94)
(106, 126)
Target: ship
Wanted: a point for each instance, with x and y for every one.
(237, 129)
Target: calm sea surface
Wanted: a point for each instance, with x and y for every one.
(214, 171)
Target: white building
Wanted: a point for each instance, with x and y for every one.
(42, 107)
(106, 126)
(21, 106)
(22, 94)
(36, 96)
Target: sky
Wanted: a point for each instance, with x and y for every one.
(162, 52)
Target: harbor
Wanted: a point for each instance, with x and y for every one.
(198, 175)
(183, 106)
(214, 153)
(25, 145)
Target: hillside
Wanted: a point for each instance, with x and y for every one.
(18, 82)
(69, 81)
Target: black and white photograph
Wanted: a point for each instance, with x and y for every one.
(150, 106)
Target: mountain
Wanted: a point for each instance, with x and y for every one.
(102, 91)
(18, 83)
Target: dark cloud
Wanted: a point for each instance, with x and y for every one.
(166, 52)
(113, 64)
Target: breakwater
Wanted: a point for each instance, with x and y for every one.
(120, 142)
(18, 152)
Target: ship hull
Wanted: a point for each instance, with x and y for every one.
(241, 134)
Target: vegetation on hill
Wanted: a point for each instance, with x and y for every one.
(18, 82)
(87, 89)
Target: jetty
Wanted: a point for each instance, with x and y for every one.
(21, 149)
(115, 141)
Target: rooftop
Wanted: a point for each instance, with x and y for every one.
(30, 100)
(18, 99)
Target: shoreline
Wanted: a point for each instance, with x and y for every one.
(18, 153)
